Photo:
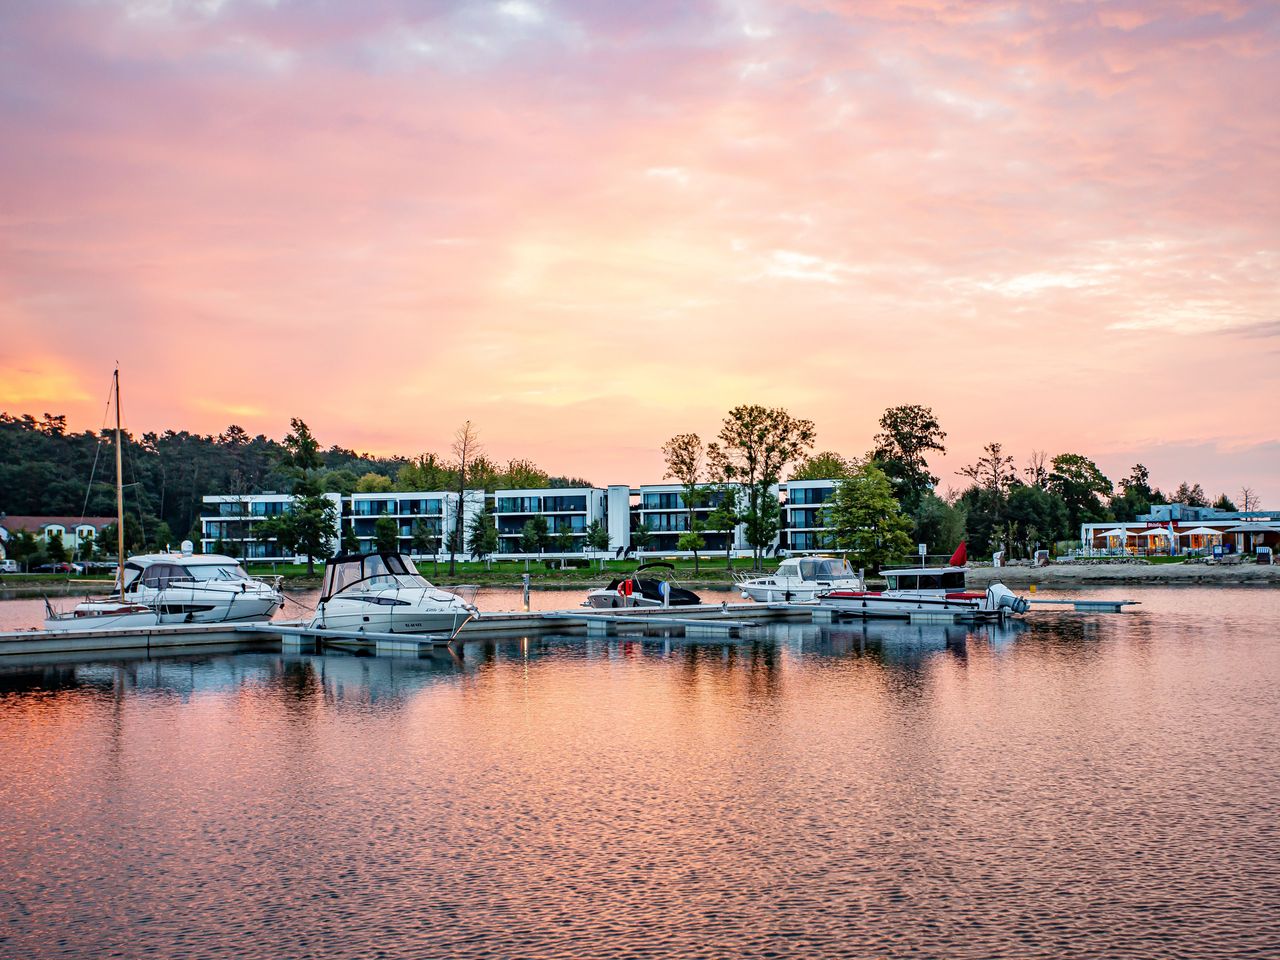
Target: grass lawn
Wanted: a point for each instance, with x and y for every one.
(711, 569)
(1166, 559)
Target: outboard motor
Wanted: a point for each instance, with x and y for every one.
(1001, 598)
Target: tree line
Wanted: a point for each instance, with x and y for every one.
(886, 500)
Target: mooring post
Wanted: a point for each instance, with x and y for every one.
(526, 592)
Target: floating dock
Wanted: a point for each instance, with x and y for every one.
(718, 622)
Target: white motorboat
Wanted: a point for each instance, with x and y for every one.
(101, 614)
(800, 579)
(384, 593)
(921, 590)
(199, 588)
(634, 590)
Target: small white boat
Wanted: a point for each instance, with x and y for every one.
(922, 590)
(101, 614)
(634, 590)
(384, 593)
(800, 579)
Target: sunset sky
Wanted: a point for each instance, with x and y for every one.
(589, 226)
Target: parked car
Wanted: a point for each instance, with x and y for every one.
(60, 568)
(8, 566)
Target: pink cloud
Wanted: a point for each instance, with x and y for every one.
(1043, 219)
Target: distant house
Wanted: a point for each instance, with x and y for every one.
(78, 533)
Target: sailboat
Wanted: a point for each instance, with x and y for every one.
(107, 612)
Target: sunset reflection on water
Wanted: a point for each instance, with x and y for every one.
(1075, 785)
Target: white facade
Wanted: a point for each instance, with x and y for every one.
(663, 513)
(434, 514)
(805, 528)
(230, 523)
(569, 509)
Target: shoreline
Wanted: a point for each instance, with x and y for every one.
(1149, 575)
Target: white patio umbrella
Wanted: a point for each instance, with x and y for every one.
(1200, 532)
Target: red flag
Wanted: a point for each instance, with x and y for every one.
(960, 557)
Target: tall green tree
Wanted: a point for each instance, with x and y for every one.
(386, 535)
(1035, 516)
(374, 483)
(306, 528)
(349, 541)
(162, 538)
(866, 521)
(22, 546)
(1081, 485)
(686, 457)
(641, 536)
(565, 541)
(993, 470)
(756, 445)
(908, 434)
(55, 548)
(938, 524)
(302, 450)
(1191, 494)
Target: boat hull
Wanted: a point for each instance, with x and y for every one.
(905, 606)
(354, 615)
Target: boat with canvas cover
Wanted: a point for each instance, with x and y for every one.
(384, 593)
(913, 591)
(635, 590)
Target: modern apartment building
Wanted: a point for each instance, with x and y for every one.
(566, 510)
(804, 525)
(231, 523)
(663, 513)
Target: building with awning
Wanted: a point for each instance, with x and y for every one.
(1175, 529)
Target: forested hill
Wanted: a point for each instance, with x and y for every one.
(45, 470)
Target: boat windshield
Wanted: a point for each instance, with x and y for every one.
(835, 570)
(217, 571)
(377, 571)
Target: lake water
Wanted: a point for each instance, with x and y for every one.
(1075, 786)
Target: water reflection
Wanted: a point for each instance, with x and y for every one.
(1071, 786)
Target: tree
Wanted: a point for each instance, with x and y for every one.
(302, 450)
(641, 536)
(565, 541)
(134, 541)
(374, 483)
(534, 535)
(685, 455)
(1138, 481)
(466, 446)
(907, 435)
(597, 537)
(307, 527)
(938, 524)
(993, 470)
(1035, 516)
(426, 472)
(1191, 495)
(1224, 504)
(21, 546)
(163, 537)
(1080, 483)
(483, 534)
(756, 445)
(1249, 500)
(866, 521)
(55, 548)
(386, 535)
(725, 515)
(1037, 471)
(349, 542)
(827, 465)
(1136, 495)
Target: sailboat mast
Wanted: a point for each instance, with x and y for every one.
(119, 491)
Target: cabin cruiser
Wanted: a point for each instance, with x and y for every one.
(163, 588)
(384, 593)
(800, 579)
(199, 588)
(637, 591)
(922, 590)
